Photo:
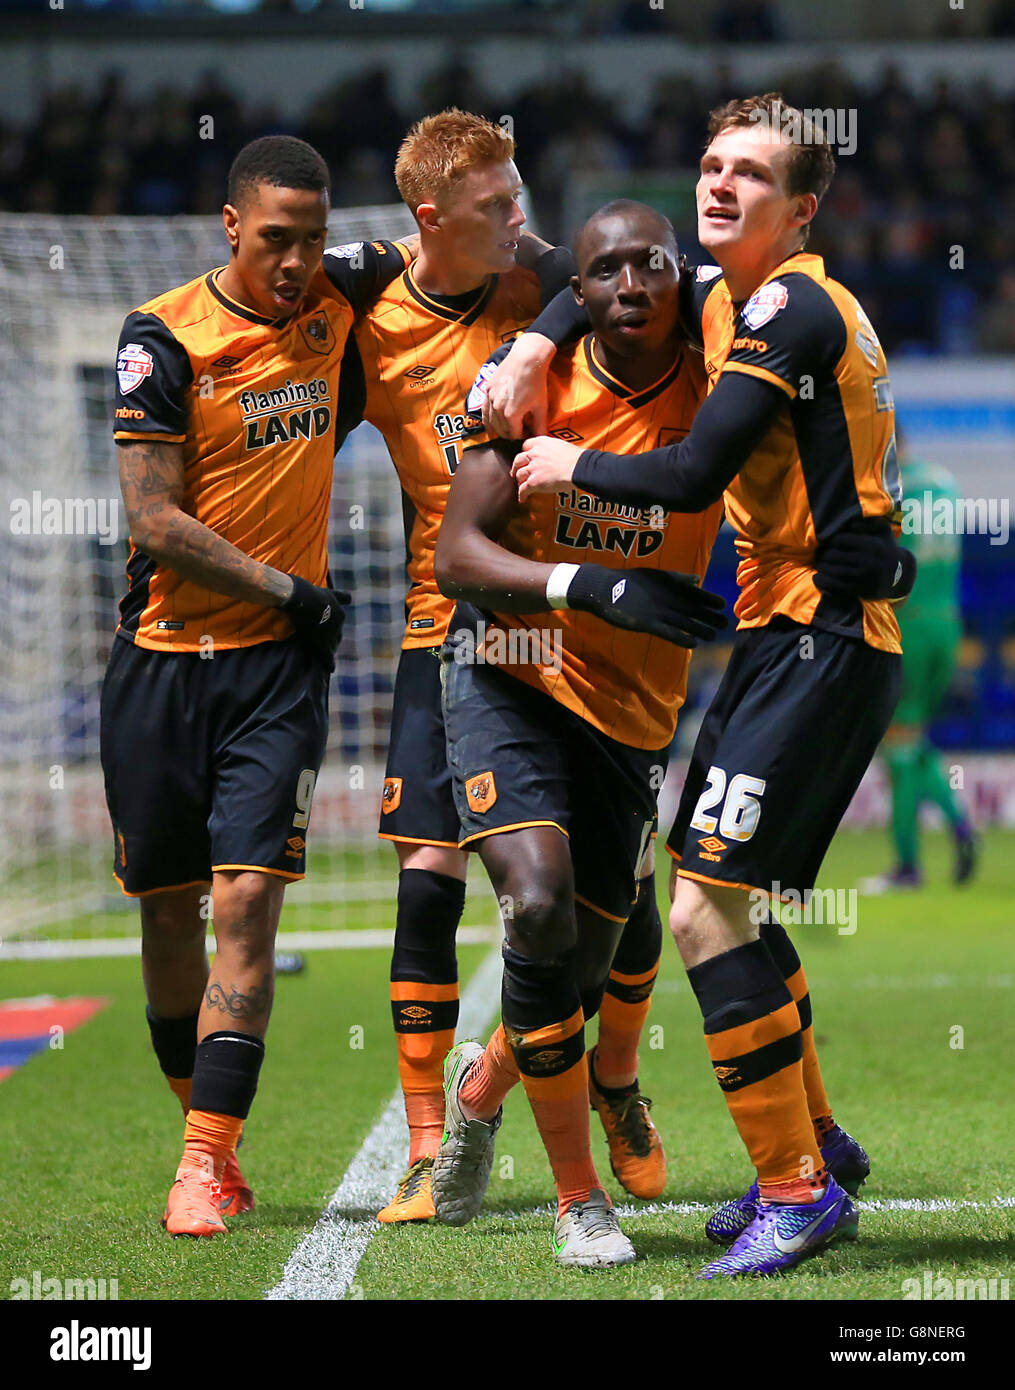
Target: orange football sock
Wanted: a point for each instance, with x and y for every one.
(424, 1017)
(807, 1189)
(752, 1031)
(622, 1016)
(209, 1133)
(822, 1125)
(180, 1087)
(555, 1075)
(491, 1078)
(560, 1107)
(764, 1091)
(817, 1100)
(424, 1111)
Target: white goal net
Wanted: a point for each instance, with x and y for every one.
(66, 284)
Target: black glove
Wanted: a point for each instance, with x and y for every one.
(661, 602)
(317, 615)
(865, 561)
(473, 423)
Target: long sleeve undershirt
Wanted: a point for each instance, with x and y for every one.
(691, 475)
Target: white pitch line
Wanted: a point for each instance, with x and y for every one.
(874, 1205)
(627, 1211)
(353, 939)
(324, 1264)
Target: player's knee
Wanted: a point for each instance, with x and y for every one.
(173, 919)
(539, 918)
(680, 924)
(686, 914)
(246, 911)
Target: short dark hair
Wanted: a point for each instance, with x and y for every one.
(626, 207)
(280, 160)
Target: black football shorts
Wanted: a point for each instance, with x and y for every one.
(417, 802)
(783, 746)
(210, 764)
(520, 758)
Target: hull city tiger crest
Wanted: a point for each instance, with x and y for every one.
(318, 335)
(392, 794)
(481, 791)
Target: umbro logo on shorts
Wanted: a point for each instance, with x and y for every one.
(712, 848)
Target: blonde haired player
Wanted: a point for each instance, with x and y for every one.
(478, 281)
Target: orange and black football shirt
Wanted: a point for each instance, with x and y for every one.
(252, 401)
(420, 354)
(825, 458)
(629, 685)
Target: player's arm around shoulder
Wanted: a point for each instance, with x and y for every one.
(359, 270)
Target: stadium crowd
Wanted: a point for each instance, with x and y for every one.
(919, 222)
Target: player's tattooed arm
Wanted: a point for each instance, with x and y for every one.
(470, 563)
(152, 483)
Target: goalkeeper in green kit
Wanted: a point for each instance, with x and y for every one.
(931, 632)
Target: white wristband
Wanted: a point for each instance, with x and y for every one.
(558, 584)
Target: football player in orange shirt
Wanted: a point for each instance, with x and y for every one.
(798, 434)
(558, 732)
(214, 709)
(478, 281)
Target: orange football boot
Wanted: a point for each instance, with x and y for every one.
(192, 1207)
(236, 1194)
(414, 1199)
(636, 1151)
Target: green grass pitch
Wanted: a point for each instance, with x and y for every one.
(90, 1135)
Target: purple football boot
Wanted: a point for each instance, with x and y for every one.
(845, 1160)
(782, 1234)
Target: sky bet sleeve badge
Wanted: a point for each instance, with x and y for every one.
(133, 364)
(764, 304)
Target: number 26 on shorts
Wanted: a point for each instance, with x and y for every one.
(741, 805)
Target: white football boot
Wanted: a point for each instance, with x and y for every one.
(589, 1235)
(461, 1170)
